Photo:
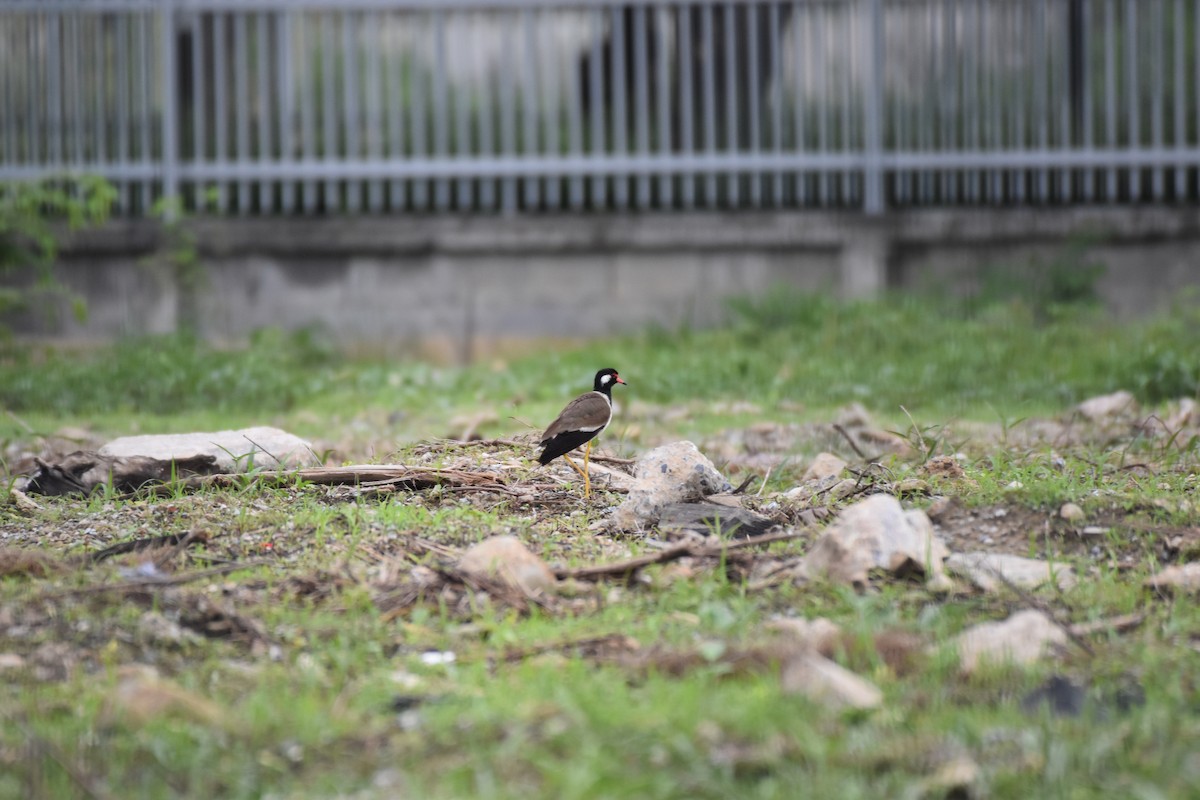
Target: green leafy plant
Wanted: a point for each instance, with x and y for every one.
(31, 217)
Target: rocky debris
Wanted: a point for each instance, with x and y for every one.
(856, 422)
(714, 518)
(11, 661)
(1182, 578)
(672, 473)
(1071, 513)
(1115, 407)
(1180, 414)
(142, 696)
(944, 468)
(959, 777)
(506, 558)
(232, 451)
(877, 533)
(83, 471)
(989, 571)
(1023, 638)
(811, 674)
(820, 634)
(825, 465)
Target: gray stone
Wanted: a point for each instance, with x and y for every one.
(1021, 639)
(1183, 578)
(877, 533)
(1108, 407)
(672, 473)
(1072, 512)
(825, 465)
(234, 451)
(983, 569)
(509, 560)
(816, 677)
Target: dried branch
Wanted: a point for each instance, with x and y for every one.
(624, 568)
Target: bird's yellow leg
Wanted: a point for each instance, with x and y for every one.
(587, 481)
(575, 466)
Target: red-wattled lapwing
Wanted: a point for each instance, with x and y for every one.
(579, 423)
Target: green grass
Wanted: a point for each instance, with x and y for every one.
(339, 701)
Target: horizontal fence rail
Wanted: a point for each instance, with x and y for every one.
(298, 107)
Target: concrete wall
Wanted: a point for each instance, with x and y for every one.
(466, 286)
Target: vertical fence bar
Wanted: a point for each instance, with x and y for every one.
(846, 92)
(620, 126)
(1110, 91)
(1065, 100)
(329, 120)
(994, 81)
(351, 118)
(1089, 124)
(800, 95)
(641, 102)
(949, 105)
(666, 187)
(822, 34)
(552, 116)
(530, 144)
(262, 69)
(596, 103)
(464, 195)
(508, 115)
(487, 116)
(199, 110)
(394, 84)
(1179, 170)
(755, 131)
(1131, 76)
(1020, 137)
(306, 38)
(1041, 103)
(776, 77)
(1158, 52)
(241, 105)
(220, 106)
(123, 107)
(170, 69)
(74, 56)
(369, 36)
(54, 90)
(733, 177)
(285, 95)
(441, 112)
(1196, 75)
(710, 99)
(145, 109)
(419, 86)
(686, 97)
(873, 201)
(970, 86)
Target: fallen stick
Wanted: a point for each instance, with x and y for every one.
(152, 583)
(622, 568)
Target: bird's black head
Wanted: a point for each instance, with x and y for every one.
(606, 379)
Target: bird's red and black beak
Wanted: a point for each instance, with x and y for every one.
(617, 378)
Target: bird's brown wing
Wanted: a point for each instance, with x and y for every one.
(589, 411)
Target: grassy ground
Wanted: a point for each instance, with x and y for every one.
(289, 671)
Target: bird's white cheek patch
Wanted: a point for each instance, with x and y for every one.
(606, 379)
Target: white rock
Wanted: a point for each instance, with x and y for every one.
(235, 451)
(1108, 406)
(816, 677)
(1072, 512)
(1028, 573)
(820, 634)
(877, 533)
(1178, 578)
(673, 473)
(825, 465)
(1021, 639)
(508, 559)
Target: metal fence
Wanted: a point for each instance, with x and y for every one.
(316, 106)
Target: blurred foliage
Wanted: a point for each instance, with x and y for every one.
(938, 356)
(170, 374)
(30, 212)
